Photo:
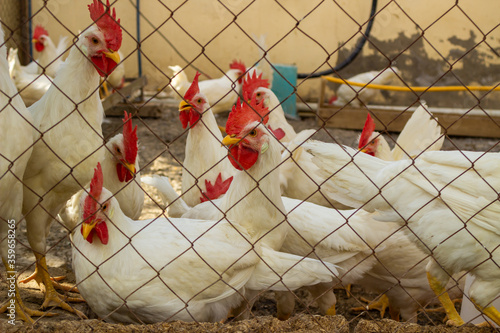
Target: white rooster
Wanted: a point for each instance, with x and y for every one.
(257, 185)
(68, 138)
(120, 165)
(354, 95)
(203, 272)
(205, 163)
(16, 135)
(221, 93)
(421, 133)
(449, 201)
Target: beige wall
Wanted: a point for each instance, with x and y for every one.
(449, 38)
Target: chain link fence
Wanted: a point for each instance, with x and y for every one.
(308, 228)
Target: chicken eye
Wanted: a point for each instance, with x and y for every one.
(118, 150)
(253, 133)
(258, 94)
(199, 100)
(105, 206)
(95, 41)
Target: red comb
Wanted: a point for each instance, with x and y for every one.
(39, 31)
(129, 139)
(215, 191)
(253, 82)
(244, 114)
(193, 89)
(367, 132)
(238, 65)
(107, 23)
(90, 205)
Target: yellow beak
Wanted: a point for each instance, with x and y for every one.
(130, 167)
(87, 228)
(113, 56)
(184, 106)
(230, 140)
(34, 40)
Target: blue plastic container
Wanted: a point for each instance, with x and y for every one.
(284, 82)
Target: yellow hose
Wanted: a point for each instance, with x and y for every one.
(399, 88)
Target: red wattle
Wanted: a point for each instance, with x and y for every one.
(121, 171)
(189, 117)
(103, 64)
(184, 118)
(242, 157)
(39, 46)
(90, 237)
(128, 176)
(101, 230)
(194, 116)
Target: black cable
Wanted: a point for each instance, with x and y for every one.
(354, 53)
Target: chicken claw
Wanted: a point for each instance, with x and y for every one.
(380, 304)
(22, 311)
(52, 297)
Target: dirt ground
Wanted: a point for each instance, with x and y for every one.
(161, 150)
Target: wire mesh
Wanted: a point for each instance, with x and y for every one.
(307, 195)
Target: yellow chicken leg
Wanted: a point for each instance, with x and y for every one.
(52, 298)
(489, 311)
(454, 318)
(22, 312)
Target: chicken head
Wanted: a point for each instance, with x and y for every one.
(39, 37)
(93, 221)
(193, 105)
(101, 44)
(246, 137)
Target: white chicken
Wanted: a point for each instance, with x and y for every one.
(31, 86)
(205, 161)
(421, 133)
(354, 95)
(16, 135)
(298, 176)
(203, 272)
(120, 165)
(50, 56)
(449, 201)
(221, 93)
(68, 138)
(258, 186)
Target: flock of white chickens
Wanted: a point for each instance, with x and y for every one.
(263, 208)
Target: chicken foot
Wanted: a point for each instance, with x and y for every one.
(380, 304)
(37, 277)
(22, 311)
(52, 297)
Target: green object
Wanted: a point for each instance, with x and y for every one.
(284, 83)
